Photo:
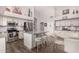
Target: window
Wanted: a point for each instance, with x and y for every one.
(76, 11)
(73, 12)
(65, 11)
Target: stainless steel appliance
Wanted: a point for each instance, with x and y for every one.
(12, 32)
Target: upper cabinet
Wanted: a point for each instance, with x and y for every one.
(20, 11)
(16, 10)
(2, 9)
(23, 12)
(67, 12)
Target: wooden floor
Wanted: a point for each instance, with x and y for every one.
(18, 47)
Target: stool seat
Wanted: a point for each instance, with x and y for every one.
(44, 41)
(59, 42)
(38, 39)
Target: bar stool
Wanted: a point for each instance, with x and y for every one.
(44, 41)
(60, 43)
(38, 42)
(50, 42)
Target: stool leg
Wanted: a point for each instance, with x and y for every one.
(37, 46)
(55, 47)
(45, 44)
(42, 43)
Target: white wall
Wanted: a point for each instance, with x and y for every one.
(43, 14)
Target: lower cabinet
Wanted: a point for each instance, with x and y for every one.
(21, 35)
(2, 45)
(71, 45)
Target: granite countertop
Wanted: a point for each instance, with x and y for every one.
(77, 38)
(68, 35)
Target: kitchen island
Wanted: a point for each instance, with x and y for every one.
(28, 40)
(71, 45)
(71, 40)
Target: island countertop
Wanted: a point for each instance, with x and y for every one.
(71, 40)
(67, 34)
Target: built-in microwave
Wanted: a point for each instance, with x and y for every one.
(12, 24)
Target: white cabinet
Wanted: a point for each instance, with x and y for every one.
(15, 20)
(28, 40)
(1, 20)
(21, 35)
(71, 45)
(2, 45)
(75, 22)
(5, 21)
(57, 23)
(21, 22)
(69, 24)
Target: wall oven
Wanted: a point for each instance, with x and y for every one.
(12, 31)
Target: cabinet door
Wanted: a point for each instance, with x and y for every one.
(5, 21)
(21, 35)
(64, 23)
(61, 23)
(57, 23)
(1, 20)
(28, 40)
(2, 45)
(21, 22)
(15, 20)
(69, 22)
